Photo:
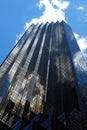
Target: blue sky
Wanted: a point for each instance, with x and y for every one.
(16, 15)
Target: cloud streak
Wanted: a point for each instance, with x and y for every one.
(80, 8)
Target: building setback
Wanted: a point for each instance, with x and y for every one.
(43, 81)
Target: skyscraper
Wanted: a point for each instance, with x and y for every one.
(43, 81)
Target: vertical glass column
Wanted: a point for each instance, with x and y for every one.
(33, 80)
(13, 54)
(21, 55)
(48, 64)
(78, 63)
(24, 70)
(11, 74)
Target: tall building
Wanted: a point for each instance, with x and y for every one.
(43, 81)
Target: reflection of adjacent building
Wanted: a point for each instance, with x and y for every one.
(43, 81)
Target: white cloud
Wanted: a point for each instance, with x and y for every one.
(61, 4)
(82, 42)
(53, 11)
(81, 8)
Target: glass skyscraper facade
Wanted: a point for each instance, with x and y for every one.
(43, 81)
